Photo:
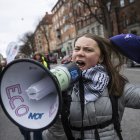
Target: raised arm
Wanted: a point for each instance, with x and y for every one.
(128, 45)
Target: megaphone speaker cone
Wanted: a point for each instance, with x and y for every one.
(30, 94)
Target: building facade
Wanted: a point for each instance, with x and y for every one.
(129, 17)
(63, 26)
(70, 18)
(43, 35)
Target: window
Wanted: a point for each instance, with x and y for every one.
(66, 27)
(88, 31)
(95, 1)
(39, 36)
(125, 21)
(91, 2)
(108, 5)
(130, 1)
(99, 30)
(93, 30)
(122, 3)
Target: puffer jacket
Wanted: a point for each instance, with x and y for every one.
(95, 113)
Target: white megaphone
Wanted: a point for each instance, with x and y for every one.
(30, 94)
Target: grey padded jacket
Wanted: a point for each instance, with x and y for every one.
(95, 113)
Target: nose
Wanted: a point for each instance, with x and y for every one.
(81, 52)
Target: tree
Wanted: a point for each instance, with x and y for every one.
(44, 30)
(28, 43)
(101, 11)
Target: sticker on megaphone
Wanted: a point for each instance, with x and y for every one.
(65, 75)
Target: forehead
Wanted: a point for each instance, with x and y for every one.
(37, 55)
(85, 41)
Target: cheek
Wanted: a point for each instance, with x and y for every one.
(73, 56)
(93, 60)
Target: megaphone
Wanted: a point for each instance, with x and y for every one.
(30, 94)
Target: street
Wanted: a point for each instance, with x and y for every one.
(130, 123)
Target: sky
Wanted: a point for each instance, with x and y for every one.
(18, 17)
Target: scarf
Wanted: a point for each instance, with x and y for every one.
(95, 80)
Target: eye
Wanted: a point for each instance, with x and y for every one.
(89, 50)
(77, 48)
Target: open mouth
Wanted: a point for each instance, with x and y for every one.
(80, 63)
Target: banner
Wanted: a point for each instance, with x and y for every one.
(11, 51)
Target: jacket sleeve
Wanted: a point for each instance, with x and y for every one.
(128, 45)
(132, 96)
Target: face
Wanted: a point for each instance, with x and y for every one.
(86, 53)
(37, 57)
(3, 63)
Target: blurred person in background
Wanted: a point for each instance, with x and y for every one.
(3, 63)
(42, 59)
(20, 56)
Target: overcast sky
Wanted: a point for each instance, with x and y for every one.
(20, 16)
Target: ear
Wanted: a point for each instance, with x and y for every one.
(101, 59)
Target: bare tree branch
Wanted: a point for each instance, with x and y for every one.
(101, 12)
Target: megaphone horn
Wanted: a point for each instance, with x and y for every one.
(31, 94)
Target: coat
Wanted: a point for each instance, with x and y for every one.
(95, 113)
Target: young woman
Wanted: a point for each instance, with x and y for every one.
(100, 63)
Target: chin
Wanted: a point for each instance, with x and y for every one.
(83, 68)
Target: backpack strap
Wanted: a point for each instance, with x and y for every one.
(66, 111)
(115, 115)
(65, 115)
(82, 100)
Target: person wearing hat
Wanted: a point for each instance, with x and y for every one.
(42, 59)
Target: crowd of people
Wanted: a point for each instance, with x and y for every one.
(93, 107)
